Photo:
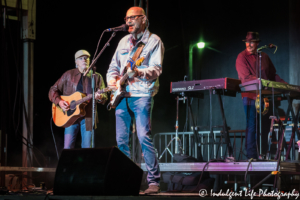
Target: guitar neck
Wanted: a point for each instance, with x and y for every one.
(123, 79)
(88, 97)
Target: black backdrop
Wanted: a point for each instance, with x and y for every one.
(65, 27)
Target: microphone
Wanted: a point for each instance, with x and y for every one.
(123, 27)
(272, 45)
(263, 47)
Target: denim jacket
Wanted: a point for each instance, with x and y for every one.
(146, 82)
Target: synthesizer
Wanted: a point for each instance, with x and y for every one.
(269, 86)
(227, 84)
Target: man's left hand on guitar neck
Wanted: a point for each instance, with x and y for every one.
(99, 97)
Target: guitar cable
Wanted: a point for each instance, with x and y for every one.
(54, 138)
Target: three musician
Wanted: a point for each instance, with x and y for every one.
(142, 86)
(246, 69)
(74, 81)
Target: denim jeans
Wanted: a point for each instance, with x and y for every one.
(139, 108)
(71, 134)
(251, 114)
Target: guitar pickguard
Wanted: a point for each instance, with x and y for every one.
(70, 112)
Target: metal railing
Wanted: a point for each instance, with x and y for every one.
(161, 140)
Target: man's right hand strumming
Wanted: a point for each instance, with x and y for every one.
(113, 84)
(64, 105)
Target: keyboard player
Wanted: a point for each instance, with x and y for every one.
(246, 69)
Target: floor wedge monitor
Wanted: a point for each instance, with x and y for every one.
(97, 171)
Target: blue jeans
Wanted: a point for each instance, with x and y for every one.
(139, 108)
(251, 114)
(71, 134)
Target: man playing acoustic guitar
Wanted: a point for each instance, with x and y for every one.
(142, 84)
(73, 81)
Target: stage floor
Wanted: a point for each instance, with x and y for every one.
(291, 167)
(232, 168)
(163, 195)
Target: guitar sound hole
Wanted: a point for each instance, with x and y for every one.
(73, 105)
(72, 108)
(70, 112)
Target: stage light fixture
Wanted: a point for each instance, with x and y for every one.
(200, 45)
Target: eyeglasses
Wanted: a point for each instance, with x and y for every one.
(250, 42)
(133, 17)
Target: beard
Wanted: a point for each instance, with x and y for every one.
(134, 29)
(250, 49)
(83, 67)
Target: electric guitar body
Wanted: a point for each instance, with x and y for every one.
(116, 96)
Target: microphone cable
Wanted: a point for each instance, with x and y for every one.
(274, 51)
(270, 46)
(98, 45)
(97, 48)
(54, 138)
(245, 177)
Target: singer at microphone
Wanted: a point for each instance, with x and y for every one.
(123, 27)
(138, 60)
(246, 69)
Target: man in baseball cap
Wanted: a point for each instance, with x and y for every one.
(74, 81)
(82, 60)
(82, 53)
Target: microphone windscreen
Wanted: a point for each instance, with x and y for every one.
(125, 27)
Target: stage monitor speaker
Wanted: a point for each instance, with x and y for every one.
(98, 171)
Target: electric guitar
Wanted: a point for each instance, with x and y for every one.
(116, 96)
(77, 102)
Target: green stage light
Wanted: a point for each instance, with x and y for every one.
(200, 45)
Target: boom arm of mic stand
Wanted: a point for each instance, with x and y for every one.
(95, 60)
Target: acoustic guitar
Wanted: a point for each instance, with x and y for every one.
(77, 102)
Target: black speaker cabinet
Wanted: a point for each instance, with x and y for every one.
(98, 171)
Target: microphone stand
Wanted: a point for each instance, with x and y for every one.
(93, 108)
(93, 87)
(259, 87)
(260, 97)
(95, 59)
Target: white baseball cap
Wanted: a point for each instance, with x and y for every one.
(81, 53)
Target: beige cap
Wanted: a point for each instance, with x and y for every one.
(82, 53)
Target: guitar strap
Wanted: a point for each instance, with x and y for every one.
(136, 54)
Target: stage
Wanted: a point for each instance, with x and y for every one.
(292, 167)
(199, 110)
(255, 167)
(162, 195)
(232, 169)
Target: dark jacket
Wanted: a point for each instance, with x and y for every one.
(67, 85)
